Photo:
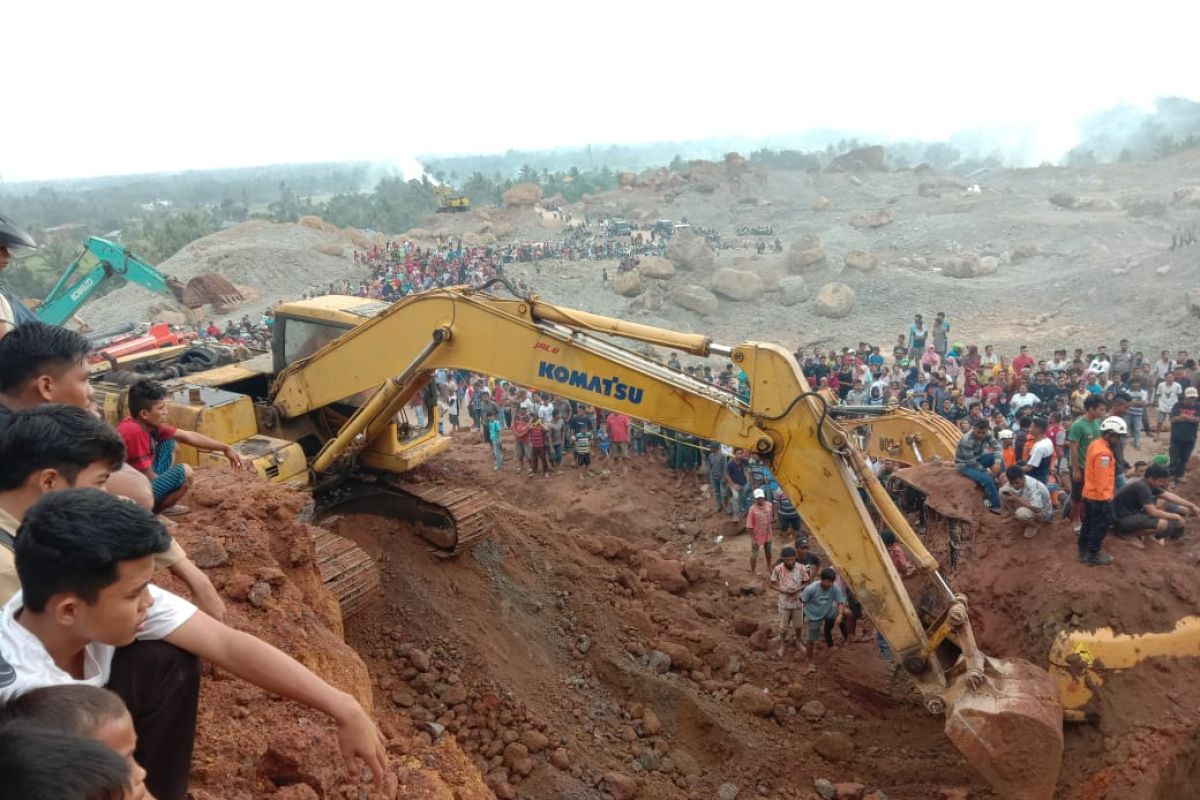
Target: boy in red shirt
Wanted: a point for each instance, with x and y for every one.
(150, 446)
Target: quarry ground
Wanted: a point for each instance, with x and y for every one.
(536, 651)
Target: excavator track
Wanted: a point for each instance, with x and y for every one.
(347, 570)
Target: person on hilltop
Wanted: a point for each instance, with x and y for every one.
(976, 453)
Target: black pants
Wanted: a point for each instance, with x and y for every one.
(1097, 519)
(160, 685)
(1180, 452)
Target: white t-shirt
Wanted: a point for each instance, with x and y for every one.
(1168, 396)
(545, 412)
(1022, 400)
(1099, 366)
(25, 665)
(6, 312)
(1042, 449)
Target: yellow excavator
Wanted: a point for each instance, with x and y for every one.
(899, 434)
(1003, 715)
(344, 402)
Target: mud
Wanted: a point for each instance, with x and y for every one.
(603, 641)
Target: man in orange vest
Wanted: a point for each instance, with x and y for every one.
(1099, 488)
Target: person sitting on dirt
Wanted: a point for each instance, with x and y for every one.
(824, 608)
(1143, 506)
(788, 578)
(974, 457)
(87, 613)
(150, 446)
(1099, 488)
(1027, 499)
(758, 525)
(82, 710)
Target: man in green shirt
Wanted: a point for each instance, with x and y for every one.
(1082, 433)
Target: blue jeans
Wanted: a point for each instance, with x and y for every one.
(720, 492)
(984, 479)
(498, 454)
(1134, 422)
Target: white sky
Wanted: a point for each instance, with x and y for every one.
(119, 87)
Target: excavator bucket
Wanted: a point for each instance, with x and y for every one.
(210, 288)
(1010, 728)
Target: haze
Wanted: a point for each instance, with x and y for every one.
(143, 87)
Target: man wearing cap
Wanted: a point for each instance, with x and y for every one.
(758, 524)
(1184, 418)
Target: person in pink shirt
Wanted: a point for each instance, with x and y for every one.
(758, 523)
(618, 437)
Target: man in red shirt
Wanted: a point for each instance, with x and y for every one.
(1023, 361)
(150, 446)
(618, 436)
(758, 523)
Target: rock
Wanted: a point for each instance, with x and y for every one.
(737, 284)
(1186, 196)
(695, 570)
(534, 741)
(619, 785)
(513, 752)
(744, 626)
(825, 789)
(1193, 302)
(870, 158)
(728, 791)
(583, 644)
(681, 658)
(835, 300)
(454, 695)
(849, 791)
(813, 710)
(688, 251)
(656, 267)
(238, 587)
(207, 552)
(988, 265)
(404, 697)
(792, 290)
(660, 662)
(805, 254)
(651, 724)
(967, 265)
(834, 746)
(695, 298)
(1163, 270)
(871, 219)
(522, 195)
(685, 763)
(628, 284)
(1064, 200)
(419, 659)
(559, 759)
(758, 640)
(821, 203)
(259, 594)
(1144, 207)
(498, 783)
(753, 700)
(667, 573)
(862, 261)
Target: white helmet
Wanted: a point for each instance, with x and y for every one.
(1114, 425)
(1005, 434)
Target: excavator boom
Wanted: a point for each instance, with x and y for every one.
(558, 350)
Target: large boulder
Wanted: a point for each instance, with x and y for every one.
(665, 572)
(862, 260)
(871, 219)
(737, 284)
(753, 700)
(523, 195)
(821, 203)
(861, 158)
(835, 300)
(689, 251)
(792, 290)
(655, 267)
(1186, 197)
(628, 284)
(968, 265)
(695, 298)
(805, 254)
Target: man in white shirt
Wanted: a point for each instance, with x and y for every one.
(1164, 366)
(1028, 500)
(988, 359)
(88, 613)
(1099, 364)
(1165, 397)
(1023, 397)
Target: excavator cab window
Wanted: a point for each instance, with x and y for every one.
(297, 338)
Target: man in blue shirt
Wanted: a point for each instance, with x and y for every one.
(824, 607)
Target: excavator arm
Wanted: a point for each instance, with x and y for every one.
(569, 353)
(74, 289)
(899, 434)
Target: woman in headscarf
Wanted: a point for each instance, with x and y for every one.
(930, 360)
(971, 388)
(952, 370)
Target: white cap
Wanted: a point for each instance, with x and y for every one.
(1005, 434)
(759, 493)
(1191, 392)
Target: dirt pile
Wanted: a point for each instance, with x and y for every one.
(250, 744)
(267, 261)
